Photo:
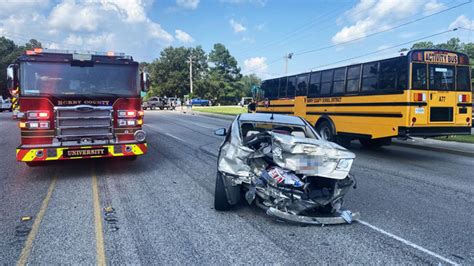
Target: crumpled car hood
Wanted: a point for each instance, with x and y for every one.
(311, 157)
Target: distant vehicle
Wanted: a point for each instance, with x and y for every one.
(78, 105)
(424, 93)
(265, 157)
(201, 102)
(5, 105)
(245, 101)
(153, 103)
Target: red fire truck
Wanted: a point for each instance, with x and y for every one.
(78, 105)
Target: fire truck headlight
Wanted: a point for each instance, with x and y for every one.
(140, 135)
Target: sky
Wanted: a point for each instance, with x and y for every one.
(258, 33)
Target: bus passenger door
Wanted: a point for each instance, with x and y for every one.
(300, 106)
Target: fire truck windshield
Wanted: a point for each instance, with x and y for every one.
(63, 80)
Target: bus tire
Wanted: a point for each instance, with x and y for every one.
(325, 130)
(375, 143)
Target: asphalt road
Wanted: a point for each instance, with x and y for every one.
(416, 207)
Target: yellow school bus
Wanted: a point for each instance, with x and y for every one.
(424, 93)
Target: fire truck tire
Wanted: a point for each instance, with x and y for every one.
(33, 164)
(131, 158)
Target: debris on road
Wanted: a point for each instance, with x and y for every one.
(285, 168)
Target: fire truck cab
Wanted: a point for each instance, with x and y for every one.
(78, 105)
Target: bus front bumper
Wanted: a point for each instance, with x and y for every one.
(433, 131)
(34, 154)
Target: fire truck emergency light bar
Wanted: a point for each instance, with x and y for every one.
(78, 55)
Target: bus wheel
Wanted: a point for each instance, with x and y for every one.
(375, 143)
(325, 131)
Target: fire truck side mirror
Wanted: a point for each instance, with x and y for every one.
(11, 77)
(145, 81)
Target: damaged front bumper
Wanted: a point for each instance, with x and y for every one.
(341, 217)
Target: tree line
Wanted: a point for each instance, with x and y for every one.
(9, 51)
(216, 76)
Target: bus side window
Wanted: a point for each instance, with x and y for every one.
(326, 82)
(369, 77)
(402, 71)
(302, 85)
(314, 84)
(275, 84)
(282, 88)
(339, 80)
(353, 79)
(418, 76)
(388, 74)
(264, 88)
(290, 90)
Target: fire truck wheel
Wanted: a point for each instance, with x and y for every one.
(131, 158)
(33, 164)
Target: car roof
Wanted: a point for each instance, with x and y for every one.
(266, 118)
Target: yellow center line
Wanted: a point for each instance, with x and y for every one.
(25, 252)
(99, 236)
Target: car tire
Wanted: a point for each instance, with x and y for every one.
(162, 108)
(221, 202)
(325, 131)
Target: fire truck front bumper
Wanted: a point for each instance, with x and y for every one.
(27, 154)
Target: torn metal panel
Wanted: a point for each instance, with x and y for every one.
(311, 156)
(344, 217)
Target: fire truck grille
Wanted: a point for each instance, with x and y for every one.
(84, 121)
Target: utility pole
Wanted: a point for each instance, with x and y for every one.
(287, 56)
(190, 61)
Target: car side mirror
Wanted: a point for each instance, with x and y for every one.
(11, 78)
(145, 81)
(220, 132)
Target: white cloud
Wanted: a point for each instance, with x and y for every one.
(370, 16)
(183, 36)
(256, 65)
(101, 25)
(75, 17)
(188, 4)
(463, 22)
(236, 26)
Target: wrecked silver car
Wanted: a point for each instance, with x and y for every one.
(281, 164)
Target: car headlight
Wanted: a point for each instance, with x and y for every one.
(344, 165)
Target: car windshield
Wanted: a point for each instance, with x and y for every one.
(251, 128)
(62, 79)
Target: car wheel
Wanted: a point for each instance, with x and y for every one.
(325, 131)
(161, 108)
(221, 203)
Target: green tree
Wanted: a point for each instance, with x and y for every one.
(170, 72)
(224, 75)
(423, 45)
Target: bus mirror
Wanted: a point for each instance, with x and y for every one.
(11, 78)
(145, 81)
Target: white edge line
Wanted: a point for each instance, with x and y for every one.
(177, 138)
(406, 242)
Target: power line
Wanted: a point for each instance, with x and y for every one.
(382, 31)
(385, 49)
(366, 36)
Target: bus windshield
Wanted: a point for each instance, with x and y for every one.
(62, 79)
(440, 77)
